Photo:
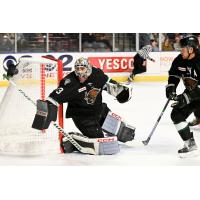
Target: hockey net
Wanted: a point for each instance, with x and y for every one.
(37, 77)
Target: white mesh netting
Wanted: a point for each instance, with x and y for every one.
(17, 113)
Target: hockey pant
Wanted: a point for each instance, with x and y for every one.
(179, 116)
(107, 122)
(139, 65)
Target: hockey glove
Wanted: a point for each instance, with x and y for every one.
(181, 101)
(12, 70)
(171, 91)
(46, 113)
(125, 95)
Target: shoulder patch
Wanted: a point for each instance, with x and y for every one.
(82, 89)
(67, 81)
(183, 69)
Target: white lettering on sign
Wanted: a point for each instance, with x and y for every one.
(117, 63)
(101, 63)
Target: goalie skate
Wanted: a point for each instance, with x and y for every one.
(131, 78)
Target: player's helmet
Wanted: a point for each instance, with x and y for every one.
(83, 62)
(190, 41)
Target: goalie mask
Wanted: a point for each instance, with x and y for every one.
(83, 69)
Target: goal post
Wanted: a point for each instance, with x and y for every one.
(37, 77)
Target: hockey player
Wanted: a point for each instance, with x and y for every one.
(82, 90)
(140, 60)
(186, 66)
(196, 120)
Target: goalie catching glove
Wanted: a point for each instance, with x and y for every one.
(46, 113)
(171, 91)
(122, 92)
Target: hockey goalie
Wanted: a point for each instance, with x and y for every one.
(82, 90)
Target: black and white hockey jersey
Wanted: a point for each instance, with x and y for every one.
(184, 68)
(82, 98)
(144, 52)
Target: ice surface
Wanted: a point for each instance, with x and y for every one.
(141, 111)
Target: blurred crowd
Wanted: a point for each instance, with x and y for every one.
(88, 42)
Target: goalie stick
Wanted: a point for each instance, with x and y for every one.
(83, 150)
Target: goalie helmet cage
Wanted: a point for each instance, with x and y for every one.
(37, 77)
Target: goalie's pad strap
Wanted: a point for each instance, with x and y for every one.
(97, 146)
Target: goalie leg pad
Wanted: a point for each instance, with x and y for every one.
(94, 146)
(108, 146)
(114, 125)
(126, 133)
(46, 112)
(111, 123)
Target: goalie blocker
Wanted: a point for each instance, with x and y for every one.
(46, 113)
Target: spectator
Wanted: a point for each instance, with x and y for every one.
(144, 39)
(5, 43)
(104, 39)
(198, 37)
(167, 46)
(176, 44)
(88, 40)
(171, 36)
(154, 45)
(88, 37)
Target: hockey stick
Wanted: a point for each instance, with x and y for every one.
(145, 142)
(73, 142)
(137, 143)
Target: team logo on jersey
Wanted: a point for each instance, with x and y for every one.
(91, 96)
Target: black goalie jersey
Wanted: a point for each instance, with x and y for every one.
(83, 98)
(183, 68)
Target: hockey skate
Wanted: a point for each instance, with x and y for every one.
(189, 150)
(194, 122)
(131, 78)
